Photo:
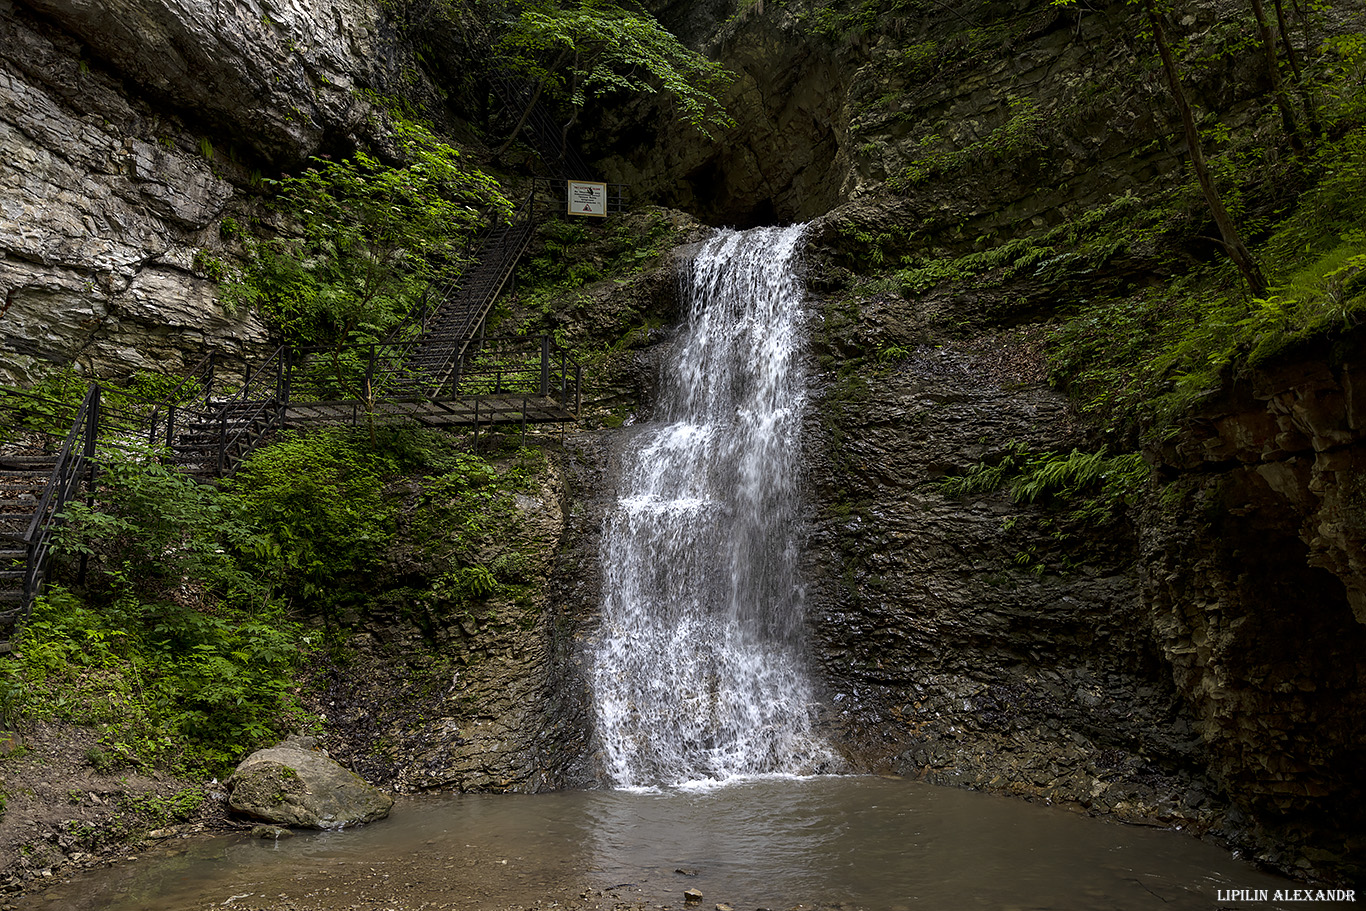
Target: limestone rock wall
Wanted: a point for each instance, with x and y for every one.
(279, 75)
(476, 697)
(1253, 572)
(128, 130)
(977, 641)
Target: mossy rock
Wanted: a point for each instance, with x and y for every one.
(295, 785)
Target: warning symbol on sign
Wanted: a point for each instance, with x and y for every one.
(587, 197)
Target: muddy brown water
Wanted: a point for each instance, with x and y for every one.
(849, 843)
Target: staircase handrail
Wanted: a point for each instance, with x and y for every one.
(84, 428)
(76, 455)
(261, 392)
(174, 403)
(545, 370)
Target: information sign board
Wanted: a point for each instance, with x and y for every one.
(588, 197)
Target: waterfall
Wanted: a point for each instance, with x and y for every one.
(699, 670)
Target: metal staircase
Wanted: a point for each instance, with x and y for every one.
(464, 305)
(34, 491)
(23, 481)
(212, 433)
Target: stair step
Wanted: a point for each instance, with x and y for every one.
(27, 462)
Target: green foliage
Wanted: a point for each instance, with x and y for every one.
(189, 687)
(986, 477)
(1142, 359)
(844, 23)
(1095, 485)
(46, 409)
(174, 645)
(362, 239)
(152, 527)
(572, 253)
(158, 811)
(1022, 134)
(318, 500)
(1011, 258)
(1341, 78)
(594, 49)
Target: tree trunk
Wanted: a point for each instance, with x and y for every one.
(1232, 239)
(531, 107)
(1273, 72)
(1311, 113)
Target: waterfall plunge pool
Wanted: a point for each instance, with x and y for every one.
(850, 843)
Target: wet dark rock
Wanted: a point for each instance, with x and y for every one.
(1254, 556)
(692, 896)
(272, 832)
(1189, 662)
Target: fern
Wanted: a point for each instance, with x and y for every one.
(1100, 483)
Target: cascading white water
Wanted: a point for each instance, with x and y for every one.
(699, 667)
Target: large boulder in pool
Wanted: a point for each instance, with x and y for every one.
(294, 784)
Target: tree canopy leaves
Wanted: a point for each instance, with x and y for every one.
(593, 49)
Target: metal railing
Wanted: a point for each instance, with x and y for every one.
(507, 365)
(372, 374)
(191, 395)
(247, 417)
(75, 462)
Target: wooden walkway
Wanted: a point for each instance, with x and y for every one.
(464, 410)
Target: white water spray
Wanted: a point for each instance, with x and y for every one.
(699, 673)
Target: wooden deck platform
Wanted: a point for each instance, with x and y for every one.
(465, 410)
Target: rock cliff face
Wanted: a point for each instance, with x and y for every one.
(1197, 661)
(127, 132)
(479, 696)
(1252, 576)
(992, 118)
(979, 641)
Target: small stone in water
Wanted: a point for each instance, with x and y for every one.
(692, 895)
(686, 872)
(722, 906)
(276, 832)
